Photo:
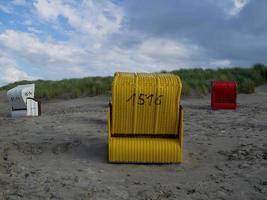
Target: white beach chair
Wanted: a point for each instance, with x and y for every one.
(22, 101)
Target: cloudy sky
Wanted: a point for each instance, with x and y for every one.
(55, 39)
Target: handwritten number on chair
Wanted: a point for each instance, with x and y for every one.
(144, 99)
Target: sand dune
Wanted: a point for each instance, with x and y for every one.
(63, 154)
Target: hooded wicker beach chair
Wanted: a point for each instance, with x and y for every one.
(223, 95)
(22, 101)
(145, 119)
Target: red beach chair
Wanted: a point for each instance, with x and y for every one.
(223, 95)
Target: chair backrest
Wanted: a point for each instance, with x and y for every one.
(18, 95)
(223, 92)
(145, 104)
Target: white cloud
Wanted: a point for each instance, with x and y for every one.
(220, 63)
(5, 9)
(97, 41)
(10, 72)
(31, 29)
(43, 53)
(231, 8)
(238, 5)
(156, 47)
(48, 10)
(94, 23)
(150, 55)
(61, 60)
(19, 2)
(27, 22)
(97, 18)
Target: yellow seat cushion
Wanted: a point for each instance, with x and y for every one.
(144, 150)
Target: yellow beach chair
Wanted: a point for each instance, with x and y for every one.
(145, 119)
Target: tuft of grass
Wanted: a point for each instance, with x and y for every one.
(195, 81)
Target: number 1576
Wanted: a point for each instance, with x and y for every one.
(145, 99)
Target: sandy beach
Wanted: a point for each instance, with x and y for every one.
(63, 154)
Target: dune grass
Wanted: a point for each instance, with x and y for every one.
(198, 81)
(68, 88)
(195, 82)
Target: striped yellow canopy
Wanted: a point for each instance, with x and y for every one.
(145, 104)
